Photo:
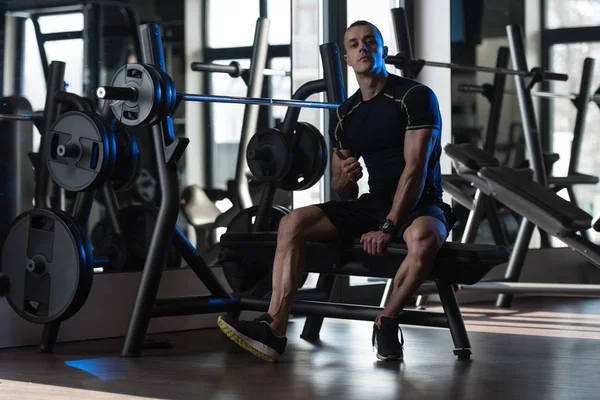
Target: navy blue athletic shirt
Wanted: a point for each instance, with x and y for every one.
(375, 130)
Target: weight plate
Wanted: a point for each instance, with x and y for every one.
(246, 275)
(137, 223)
(310, 158)
(141, 111)
(128, 164)
(81, 151)
(49, 262)
(268, 155)
(170, 94)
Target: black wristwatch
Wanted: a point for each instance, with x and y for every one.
(387, 226)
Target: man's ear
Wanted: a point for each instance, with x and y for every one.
(385, 51)
(346, 58)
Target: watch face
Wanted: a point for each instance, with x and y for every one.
(387, 226)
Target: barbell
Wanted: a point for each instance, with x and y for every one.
(400, 61)
(144, 95)
(36, 116)
(487, 88)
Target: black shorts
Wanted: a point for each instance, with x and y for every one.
(354, 218)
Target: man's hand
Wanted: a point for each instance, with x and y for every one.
(350, 171)
(375, 242)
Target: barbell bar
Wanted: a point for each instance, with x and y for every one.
(131, 94)
(470, 88)
(21, 117)
(401, 61)
(234, 69)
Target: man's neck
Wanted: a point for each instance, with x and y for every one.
(371, 84)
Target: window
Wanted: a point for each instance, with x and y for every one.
(61, 23)
(231, 23)
(570, 57)
(279, 13)
(226, 123)
(572, 13)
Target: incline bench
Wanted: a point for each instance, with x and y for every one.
(456, 263)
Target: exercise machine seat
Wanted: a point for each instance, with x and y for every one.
(470, 156)
(535, 202)
(198, 209)
(455, 263)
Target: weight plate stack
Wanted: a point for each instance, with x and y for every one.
(310, 158)
(49, 263)
(81, 150)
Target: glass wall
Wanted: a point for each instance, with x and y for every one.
(572, 35)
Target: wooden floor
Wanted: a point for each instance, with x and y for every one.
(542, 348)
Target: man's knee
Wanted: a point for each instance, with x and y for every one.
(424, 239)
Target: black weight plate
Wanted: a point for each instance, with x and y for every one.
(94, 149)
(60, 282)
(142, 111)
(128, 160)
(245, 275)
(87, 151)
(268, 155)
(310, 158)
(137, 223)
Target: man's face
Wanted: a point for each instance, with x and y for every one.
(365, 51)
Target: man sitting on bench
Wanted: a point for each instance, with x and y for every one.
(394, 123)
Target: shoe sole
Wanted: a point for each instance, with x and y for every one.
(257, 348)
(387, 358)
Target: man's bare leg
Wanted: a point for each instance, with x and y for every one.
(295, 229)
(424, 237)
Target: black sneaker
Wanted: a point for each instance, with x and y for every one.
(385, 339)
(255, 336)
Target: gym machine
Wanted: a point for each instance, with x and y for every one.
(290, 158)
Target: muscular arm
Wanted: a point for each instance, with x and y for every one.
(417, 149)
(346, 190)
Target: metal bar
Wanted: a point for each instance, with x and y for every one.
(491, 136)
(41, 48)
(403, 39)
(112, 206)
(82, 207)
(197, 264)
(178, 306)
(475, 215)
(453, 315)
(313, 324)
(162, 135)
(55, 85)
(471, 88)
(105, 93)
(56, 36)
(517, 259)
(550, 289)
(22, 117)
(264, 102)
(581, 103)
(401, 61)
(249, 124)
(530, 129)
(233, 69)
(49, 337)
(332, 73)
(349, 311)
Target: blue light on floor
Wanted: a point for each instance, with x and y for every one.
(102, 368)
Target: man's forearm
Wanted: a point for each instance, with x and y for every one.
(407, 194)
(345, 191)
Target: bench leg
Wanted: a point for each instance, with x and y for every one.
(455, 321)
(312, 326)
